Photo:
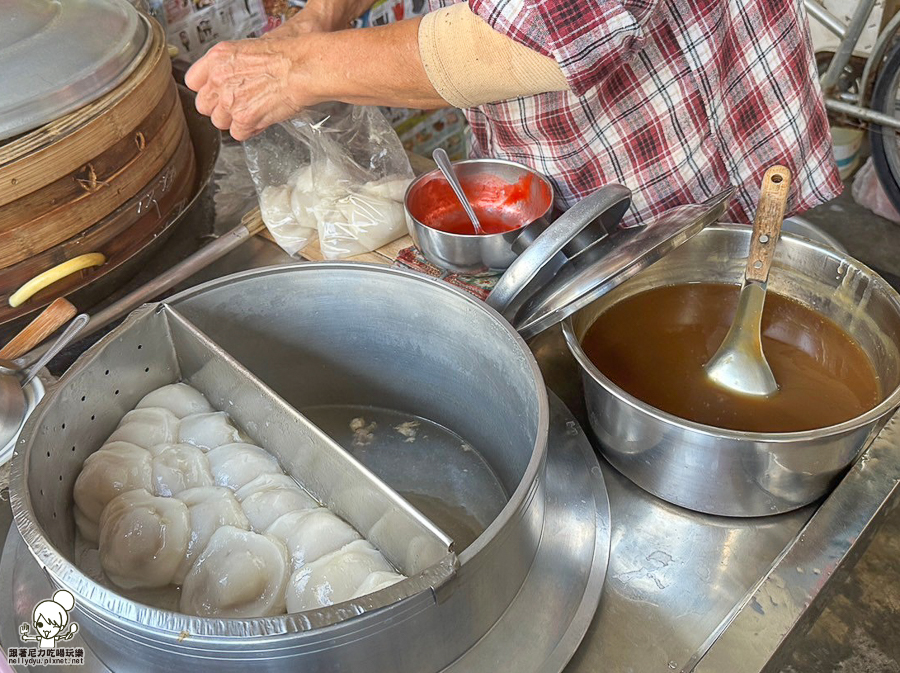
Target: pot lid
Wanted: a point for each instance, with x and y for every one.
(59, 55)
(558, 274)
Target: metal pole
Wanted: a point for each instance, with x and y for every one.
(848, 43)
(826, 18)
(863, 113)
(180, 272)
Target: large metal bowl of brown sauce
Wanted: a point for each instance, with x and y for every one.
(831, 333)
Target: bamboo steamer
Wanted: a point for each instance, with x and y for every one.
(62, 179)
(119, 236)
(110, 177)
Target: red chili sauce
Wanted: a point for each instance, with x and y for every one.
(500, 206)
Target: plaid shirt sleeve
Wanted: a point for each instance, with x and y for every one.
(589, 40)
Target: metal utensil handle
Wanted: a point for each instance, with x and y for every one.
(64, 339)
(443, 161)
(251, 224)
(776, 185)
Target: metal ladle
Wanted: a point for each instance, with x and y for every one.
(740, 364)
(12, 395)
(443, 161)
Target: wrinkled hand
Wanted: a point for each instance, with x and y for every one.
(248, 85)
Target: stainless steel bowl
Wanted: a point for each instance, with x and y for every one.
(489, 253)
(745, 473)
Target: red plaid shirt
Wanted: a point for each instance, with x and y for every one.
(676, 99)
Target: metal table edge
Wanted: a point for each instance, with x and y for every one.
(792, 594)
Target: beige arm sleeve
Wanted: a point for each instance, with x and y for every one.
(469, 63)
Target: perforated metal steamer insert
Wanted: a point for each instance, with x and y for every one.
(156, 347)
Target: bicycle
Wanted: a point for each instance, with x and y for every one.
(847, 95)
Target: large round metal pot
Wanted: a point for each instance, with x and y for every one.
(487, 253)
(743, 473)
(317, 334)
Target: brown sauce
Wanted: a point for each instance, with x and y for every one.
(654, 344)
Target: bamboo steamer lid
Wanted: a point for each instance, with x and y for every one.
(61, 179)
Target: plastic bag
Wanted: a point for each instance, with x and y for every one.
(336, 170)
(868, 192)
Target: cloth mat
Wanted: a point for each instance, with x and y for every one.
(478, 286)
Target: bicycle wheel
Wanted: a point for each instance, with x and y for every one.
(885, 142)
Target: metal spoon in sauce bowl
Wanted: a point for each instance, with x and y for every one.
(443, 161)
(740, 364)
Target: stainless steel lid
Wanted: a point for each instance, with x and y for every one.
(558, 274)
(59, 55)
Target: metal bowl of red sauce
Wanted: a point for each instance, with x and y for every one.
(513, 204)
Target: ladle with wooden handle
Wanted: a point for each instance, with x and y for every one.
(740, 364)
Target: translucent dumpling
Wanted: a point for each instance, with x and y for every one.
(179, 398)
(177, 467)
(239, 574)
(116, 468)
(310, 534)
(89, 529)
(235, 465)
(143, 539)
(378, 580)
(208, 431)
(271, 495)
(335, 577)
(147, 427)
(210, 508)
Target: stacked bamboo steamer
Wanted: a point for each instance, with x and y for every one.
(93, 188)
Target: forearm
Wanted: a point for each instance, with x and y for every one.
(247, 85)
(370, 66)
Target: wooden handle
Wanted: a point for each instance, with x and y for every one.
(773, 198)
(57, 314)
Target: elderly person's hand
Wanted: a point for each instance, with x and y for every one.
(247, 85)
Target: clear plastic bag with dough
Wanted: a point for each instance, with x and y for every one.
(337, 170)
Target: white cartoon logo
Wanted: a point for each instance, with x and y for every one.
(49, 620)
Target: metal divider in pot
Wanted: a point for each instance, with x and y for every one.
(157, 347)
(318, 335)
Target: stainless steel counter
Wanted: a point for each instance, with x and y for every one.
(690, 592)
